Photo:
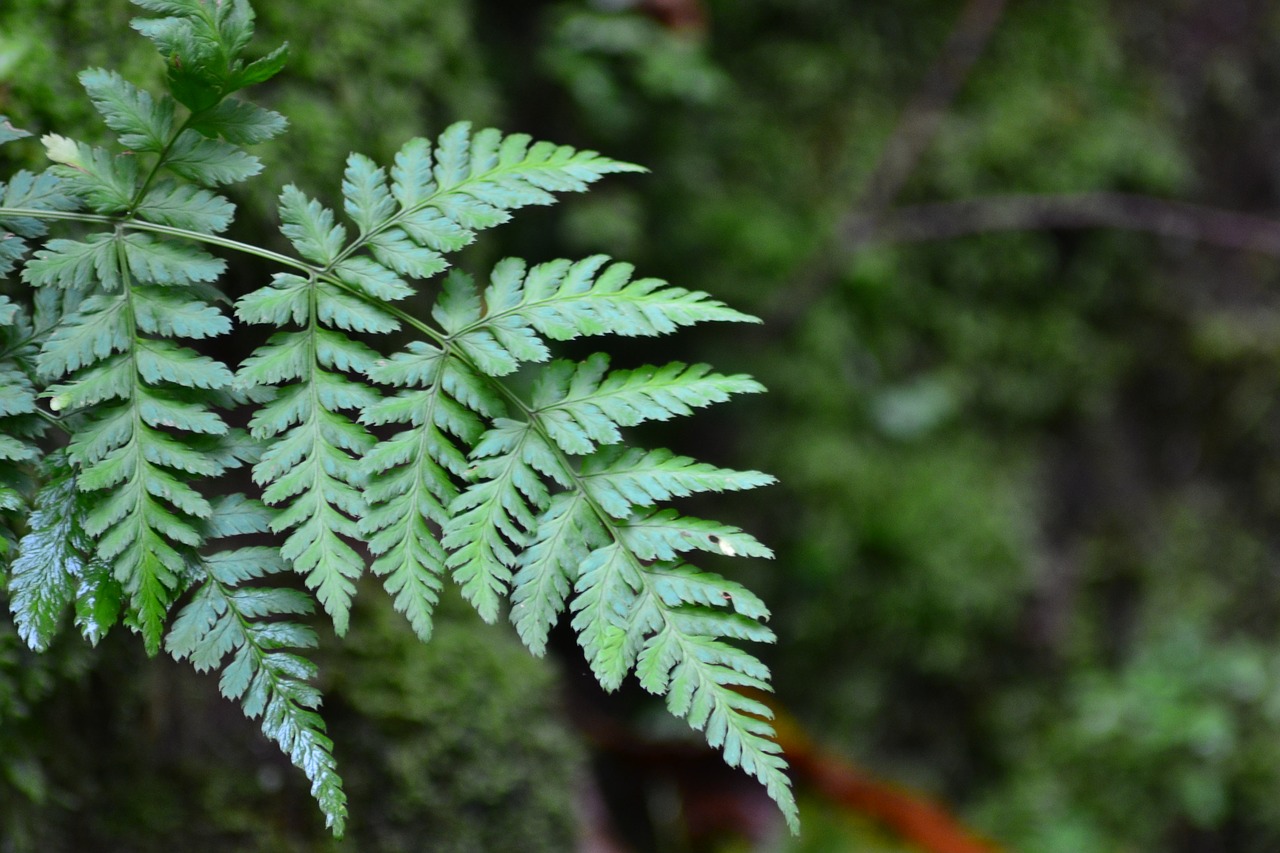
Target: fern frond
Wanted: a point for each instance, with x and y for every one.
(56, 565)
(566, 533)
(41, 581)
(412, 475)
(604, 607)
(662, 534)
(18, 421)
(582, 406)
(239, 122)
(622, 478)
(210, 161)
(312, 466)
(202, 45)
(703, 679)
(105, 182)
(225, 619)
(536, 498)
(20, 424)
(600, 545)
(25, 191)
(138, 400)
(183, 206)
(472, 181)
(564, 300)
(75, 264)
(141, 123)
(498, 512)
(432, 202)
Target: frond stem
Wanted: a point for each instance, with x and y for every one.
(165, 230)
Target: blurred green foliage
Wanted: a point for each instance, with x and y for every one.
(1025, 532)
(454, 746)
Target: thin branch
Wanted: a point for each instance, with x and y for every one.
(923, 115)
(915, 131)
(1164, 217)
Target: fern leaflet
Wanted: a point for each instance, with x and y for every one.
(225, 618)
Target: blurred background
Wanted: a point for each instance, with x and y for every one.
(1021, 291)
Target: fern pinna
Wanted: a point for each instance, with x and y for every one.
(427, 463)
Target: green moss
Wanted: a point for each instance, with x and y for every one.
(453, 746)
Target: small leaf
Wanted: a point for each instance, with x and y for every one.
(51, 556)
(185, 206)
(240, 122)
(310, 227)
(210, 161)
(142, 123)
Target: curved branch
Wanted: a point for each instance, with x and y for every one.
(1164, 217)
(922, 117)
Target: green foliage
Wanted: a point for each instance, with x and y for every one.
(269, 682)
(453, 471)
(460, 742)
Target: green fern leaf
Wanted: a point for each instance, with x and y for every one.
(99, 329)
(619, 479)
(260, 70)
(702, 678)
(286, 300)
(312, 464)
(17, 394)
(226, 619)
(99, 601)
(33, 192)
(662, 534)
(106, 182)
(50, 557)
(40, 192)
(159, 311)
(395, 250)
(457, 311)
(159, 360)
(239, 122)
(498, 512)
(675, 584)
(604, 607)
(210, 161)
(75, 265)
(368, 201)
(564, 300)
(166, 262)
(582, 406)
(537, 499)
(202, 47)
(566, 533)
(371, 279)
(411, 486)
(466, 184)
(184, 206)
(113, 379)
(142, 510)
(19, 423)
(310, 227)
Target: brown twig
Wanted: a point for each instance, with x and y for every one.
(923, 115)
(986, 214)
(910, 138)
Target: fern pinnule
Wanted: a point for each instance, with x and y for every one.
(226, 618)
